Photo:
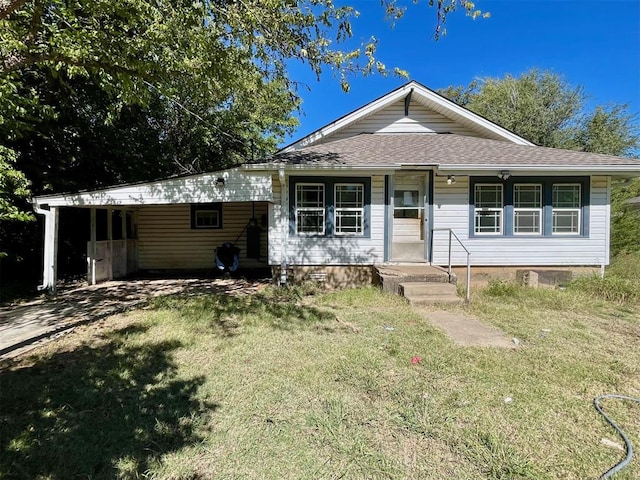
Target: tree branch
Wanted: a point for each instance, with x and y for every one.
(7, 7)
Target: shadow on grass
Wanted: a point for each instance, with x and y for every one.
(281, 309)
(106, 410)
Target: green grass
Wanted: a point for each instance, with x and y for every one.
(294, 383)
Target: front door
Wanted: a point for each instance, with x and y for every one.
(409, 218)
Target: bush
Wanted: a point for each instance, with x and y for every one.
(500, 288)
(626, 266)
(613, 288)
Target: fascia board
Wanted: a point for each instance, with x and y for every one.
(622, 170)
(275, 167)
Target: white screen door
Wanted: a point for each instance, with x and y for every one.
(409, 219)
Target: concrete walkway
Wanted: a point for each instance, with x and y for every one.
(467, 331)
(24, 325)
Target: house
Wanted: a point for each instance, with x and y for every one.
(411, 177)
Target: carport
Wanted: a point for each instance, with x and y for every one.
(172, 224)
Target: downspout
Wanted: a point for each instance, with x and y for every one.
(284, 207)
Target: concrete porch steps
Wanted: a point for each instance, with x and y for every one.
(391, 276)
(429, 293)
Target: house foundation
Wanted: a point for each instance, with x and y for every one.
(551, 276)
(335, 276)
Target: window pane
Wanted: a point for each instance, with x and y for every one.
(488, 221)
(405, 198)
(206, 218)
(349, 208)
(310, 195)
(488, 196)
(349, 221)
(406, 213)
(527, 196)
(566, 196)
(310, 221)
(526, 221)
(566, 221)
(349, 195)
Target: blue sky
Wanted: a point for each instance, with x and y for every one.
(592, 43)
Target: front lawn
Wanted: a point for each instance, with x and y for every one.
(282, 384)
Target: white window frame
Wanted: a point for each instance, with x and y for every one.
(497, 212)
(320, 210)
(358, 211)
(574, 210)
(537, 210)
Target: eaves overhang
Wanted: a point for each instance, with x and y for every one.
(276, 167)
(617, 170)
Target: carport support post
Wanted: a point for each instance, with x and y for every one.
(123, 229)
(50, 264)
(91, 258)
(110, 238)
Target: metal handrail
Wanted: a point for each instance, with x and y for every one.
(451, 236)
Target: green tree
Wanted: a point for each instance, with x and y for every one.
(608, 129)
(221, 64)
(544, 108)
(13, 186)
(625, 219)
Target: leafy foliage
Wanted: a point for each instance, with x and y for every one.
(544, 108)
(625, 219)
(608, 129)
(13, 187)
(210, 79)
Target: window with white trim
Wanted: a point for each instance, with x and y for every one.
(310, 209)
(330, 206)
(566, 208)
(527, 209)
(488, 210)
(349, 208)
(529, 206)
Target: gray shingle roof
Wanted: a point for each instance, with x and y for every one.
(391, 150)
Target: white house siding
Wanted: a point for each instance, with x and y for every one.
(166, 240)
(451, 210)
(333, 251)
(239, 186)
(393, 120)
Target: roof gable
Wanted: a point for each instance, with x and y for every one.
(412, 93)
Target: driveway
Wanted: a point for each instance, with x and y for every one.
(24, 326)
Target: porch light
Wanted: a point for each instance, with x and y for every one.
(220, 182)
(504, 175)
(451, 180)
